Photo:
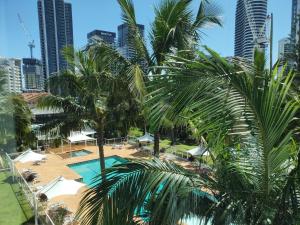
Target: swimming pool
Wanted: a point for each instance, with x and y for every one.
(89, 169)
(82, 152)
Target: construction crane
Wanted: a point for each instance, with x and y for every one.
(261, 35)
(31, 44)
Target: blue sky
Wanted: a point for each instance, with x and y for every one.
(106, 15)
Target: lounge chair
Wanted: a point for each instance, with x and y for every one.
(36, 163)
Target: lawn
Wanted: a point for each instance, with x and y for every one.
(178, 148)
(11, 212)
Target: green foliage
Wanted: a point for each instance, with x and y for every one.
(135, 132)
(15, 120)
(153, 190)
(245, 114)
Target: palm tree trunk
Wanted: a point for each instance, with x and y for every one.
(173, 136)
(100, 141)
(156, 144)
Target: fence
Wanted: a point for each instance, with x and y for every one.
(113, 141)
(24, 190)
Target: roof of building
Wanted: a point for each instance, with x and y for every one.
(32, 98)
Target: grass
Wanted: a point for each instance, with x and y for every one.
(179, 148)
(13, 210)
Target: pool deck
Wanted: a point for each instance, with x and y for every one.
(57, 165)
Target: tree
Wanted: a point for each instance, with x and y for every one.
(174, 27)
(15, 120)
(246, 112)
(87, 91)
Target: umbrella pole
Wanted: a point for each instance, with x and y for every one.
(35, 211)
(62, 145)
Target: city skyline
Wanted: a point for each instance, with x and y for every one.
(221, 39)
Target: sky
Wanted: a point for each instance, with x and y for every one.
(106, 15)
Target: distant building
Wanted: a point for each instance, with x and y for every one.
(284, 48)
(124, 44)
(33, 75)
(12, 71)
(106, 36)
(56, 32)
(244, 41)
(40, 116)
(295, 21)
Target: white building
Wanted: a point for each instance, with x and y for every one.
(12, 72)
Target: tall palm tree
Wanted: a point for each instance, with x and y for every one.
(174, 27)
(86, 91)
(247, 113)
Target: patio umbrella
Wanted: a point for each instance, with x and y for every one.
(61, 186)
(146, 138)
(29, 156)
(200, 150)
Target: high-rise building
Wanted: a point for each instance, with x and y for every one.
(124, 44)
(32, 74)
(106, 36)
(248, 13)
(295, 22)
(284, 48)
(12, 72)
(56, 32)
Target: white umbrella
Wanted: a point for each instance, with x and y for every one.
(29, 156)
(79, 137)
(146, 138)
(200, 150)
(61, 186)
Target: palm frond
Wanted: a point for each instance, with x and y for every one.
(135, 37)
(152, 186)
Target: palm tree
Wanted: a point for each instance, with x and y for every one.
(247, 113)
(174, 27)
(86, 91)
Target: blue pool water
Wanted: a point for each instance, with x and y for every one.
(89, 169)
(82, 152)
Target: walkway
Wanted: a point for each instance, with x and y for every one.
(11, 212)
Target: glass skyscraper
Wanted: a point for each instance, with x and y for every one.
(295, 24)
(244, 41)
(106, 36)
(56, 32)
(33, 74)
(124, 45)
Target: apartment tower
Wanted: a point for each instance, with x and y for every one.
(56, 32)
(11, 68)
(124, 36)
(249, 14)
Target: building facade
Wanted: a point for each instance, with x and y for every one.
(32, 74)
(11, 68)
(106, 36)
(295, 22)
(56, 32)
(284, 48)
(248, 13)
(124, 44)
